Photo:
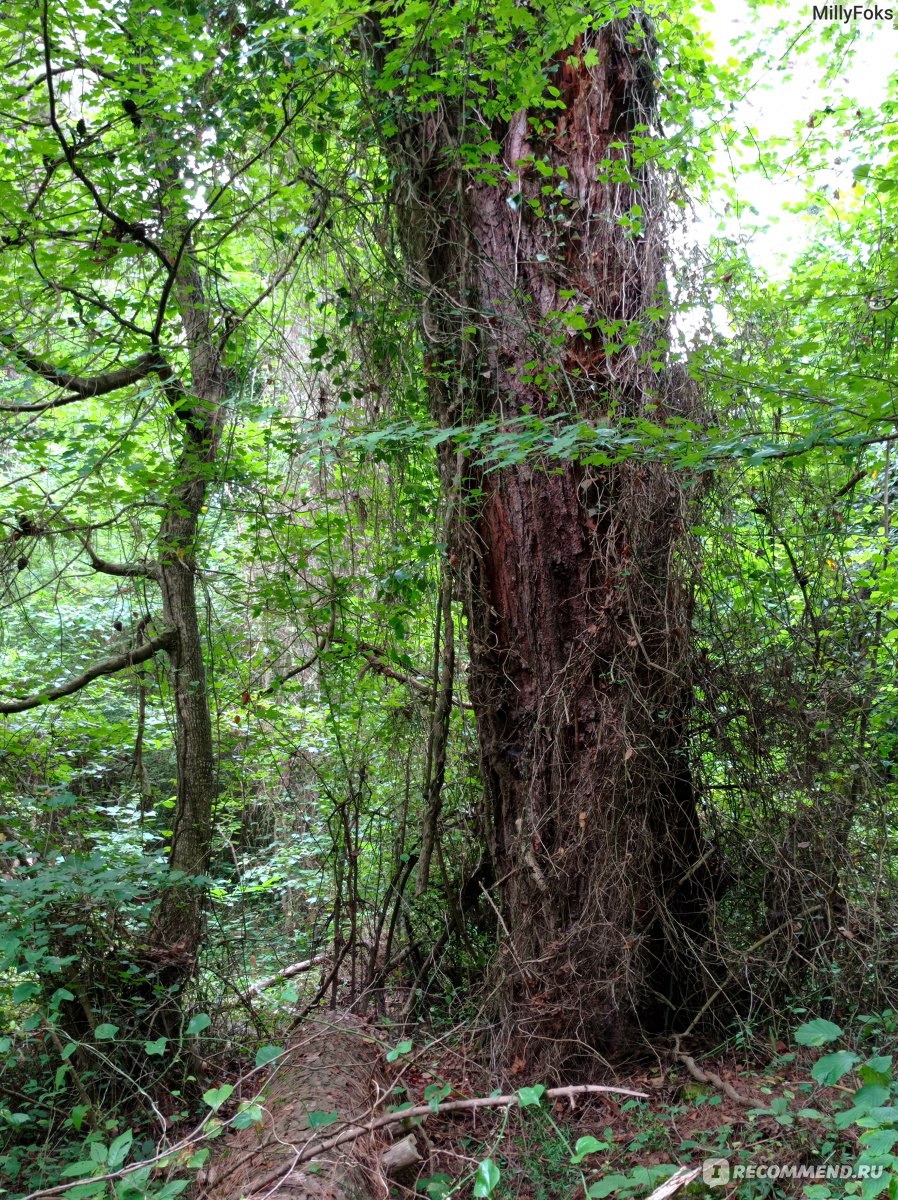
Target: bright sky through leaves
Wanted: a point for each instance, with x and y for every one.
(786, 89)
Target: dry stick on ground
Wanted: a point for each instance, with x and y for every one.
(287, 973)
(261, 985)
(679, 1179)
(425, 1110)
(710, 1077)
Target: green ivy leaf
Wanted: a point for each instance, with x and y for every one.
(871, 1095)
(73, 1170)
(105, 1032)
(880, 1141)
(398, 1051)
(608, 1185)
(79, 1112)
(198, 1023)
(817, 1033)
(173, 1188)
(830, 1069)
(24, 991)
(215, 1097)
(118, 1150)
(586, 1145)
(157, 1047)
(318, 1119)
(486, 1178)
(530, 1096)
(267, 1053)
(434, 1093)
(877, 1069)
(251, 1115)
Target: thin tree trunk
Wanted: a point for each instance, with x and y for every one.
(177, 928)
(577, 624)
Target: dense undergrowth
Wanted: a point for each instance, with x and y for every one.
(300, 480)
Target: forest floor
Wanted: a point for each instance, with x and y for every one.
(626, 1146)
(682, 1122)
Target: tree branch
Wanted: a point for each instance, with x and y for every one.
(135, 229)
(376, 660)
(81, 387)
(127, 570)
(424, 1110)
(109, 666)
(132, 570)
(297, 968)
(315, 223)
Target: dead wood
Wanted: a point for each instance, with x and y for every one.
(331, 1068)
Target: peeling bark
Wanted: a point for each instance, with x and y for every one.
(578, 626)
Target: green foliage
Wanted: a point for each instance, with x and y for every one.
(486, 1178)
(630, 1184)
(865, 1122)
(230, 142)
(817, 1033)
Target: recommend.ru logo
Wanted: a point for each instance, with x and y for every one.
(717, 1172)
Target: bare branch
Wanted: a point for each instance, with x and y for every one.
(424, 1110)
(135, 229)
(297, 968)
(323, 642)
(174, 262)
(347, 1135)
(97, 302)
(82, 387)
(78, 64)
(849, 486)
(145, 569)
(109, 666)
(132, 570)
(376, 659)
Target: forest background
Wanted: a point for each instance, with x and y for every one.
(447, 578)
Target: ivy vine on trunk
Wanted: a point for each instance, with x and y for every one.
(540, 267)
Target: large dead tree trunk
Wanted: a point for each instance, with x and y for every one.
(577, 621)
(331, 1068)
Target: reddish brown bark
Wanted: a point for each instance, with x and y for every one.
(577, 623)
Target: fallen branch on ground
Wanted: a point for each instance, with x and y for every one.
(679, 1179)
(296, 968)
(349, 1134)
(711, 1077)
(426, 1110)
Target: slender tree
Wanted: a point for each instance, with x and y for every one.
(120, 217)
